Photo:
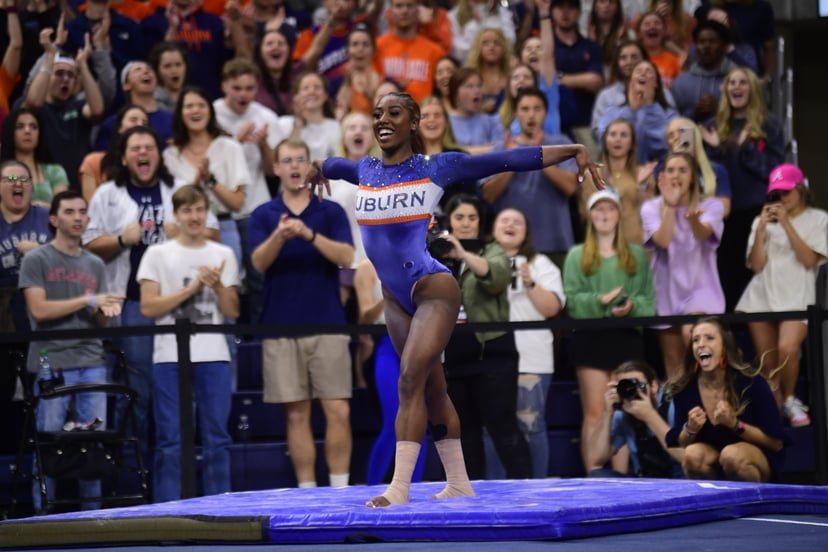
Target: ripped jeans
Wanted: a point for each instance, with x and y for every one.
(533, 390)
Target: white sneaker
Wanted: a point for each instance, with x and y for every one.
(796, 412)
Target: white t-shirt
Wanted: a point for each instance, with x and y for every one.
(344, 193)
(174, 266)
(784, 284)
(535, 346)
(227, 164)
(322, 138)
(232, 122)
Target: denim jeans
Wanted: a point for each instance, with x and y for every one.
(231, 238)
(533, 390)
(211, 392)
(52, 414)
(138, 352)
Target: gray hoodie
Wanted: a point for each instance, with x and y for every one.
(694, 83)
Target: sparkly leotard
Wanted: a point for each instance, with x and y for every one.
(395, 203)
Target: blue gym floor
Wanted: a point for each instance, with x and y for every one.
(576, 512)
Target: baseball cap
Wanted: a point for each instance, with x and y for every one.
(607, 193)
(785, 177)
(128, 67)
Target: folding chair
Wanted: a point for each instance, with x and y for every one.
(80, 452)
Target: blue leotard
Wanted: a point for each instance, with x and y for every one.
(395, 203)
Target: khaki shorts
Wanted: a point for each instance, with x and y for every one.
(305, 368)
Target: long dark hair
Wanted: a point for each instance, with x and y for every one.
(659, 97)
(162, 48)
(462, 199)
(111, 159)
(8, 148)
(622, 45)
(735, 365)
(180, 132)
(121, 175)
(609, 44)
(283, 85)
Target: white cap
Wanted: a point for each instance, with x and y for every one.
(607, 193)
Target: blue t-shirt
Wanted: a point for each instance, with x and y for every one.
(34, 226)
(301, 286)
(545, 206)
(552, 122)
(477, 130)
(151, 219)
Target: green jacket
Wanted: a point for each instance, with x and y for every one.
(486, 299)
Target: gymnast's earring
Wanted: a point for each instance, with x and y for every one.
(696, 367)
(723, 362)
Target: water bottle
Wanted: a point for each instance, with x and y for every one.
(44, 363)
(243, 433)
(48, 380)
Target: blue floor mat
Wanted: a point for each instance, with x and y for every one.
(502, 510)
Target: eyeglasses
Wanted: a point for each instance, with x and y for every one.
(25, 180)
(288, 160)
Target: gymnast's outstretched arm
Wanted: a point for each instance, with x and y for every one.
(460, 167)
(340, 168)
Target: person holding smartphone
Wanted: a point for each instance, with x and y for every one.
(683, 135)
(788, 241)
(605, 277)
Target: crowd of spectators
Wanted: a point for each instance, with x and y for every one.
(126, 101)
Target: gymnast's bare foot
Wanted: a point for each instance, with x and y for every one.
(394, 494)
(455, 490)
(378, 502)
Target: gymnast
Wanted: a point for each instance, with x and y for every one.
(397, 195)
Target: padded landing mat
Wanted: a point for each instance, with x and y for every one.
(502, 510)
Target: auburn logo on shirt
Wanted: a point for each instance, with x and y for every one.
(394, 203)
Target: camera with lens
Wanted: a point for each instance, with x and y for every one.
(627, 389)
(438, 247)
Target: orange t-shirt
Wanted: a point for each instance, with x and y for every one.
(410, 63)
(135, 9)
(437, 30)
(91, 165)
(668, 65)
(7, 84)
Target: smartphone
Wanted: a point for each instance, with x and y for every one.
(621, 300)
(686, 138)
(773, 197)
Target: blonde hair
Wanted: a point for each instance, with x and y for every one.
(591, 257)
(464, 12)
(756, 109)
(341, 148)
(702, 161)
(474, 59)
(448, 141)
